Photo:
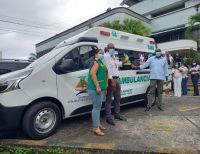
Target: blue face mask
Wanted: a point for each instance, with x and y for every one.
(158, 54)
(100, 56)
(111, 52)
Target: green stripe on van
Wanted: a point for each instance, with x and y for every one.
(134, 79)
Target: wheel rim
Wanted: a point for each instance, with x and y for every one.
(45, 120)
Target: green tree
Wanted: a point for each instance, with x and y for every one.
(193, 55)
(194, 26)
(130, 26)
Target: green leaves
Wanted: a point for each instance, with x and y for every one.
(31, 150)
(193, 55)
(194, 22)
(130, 26)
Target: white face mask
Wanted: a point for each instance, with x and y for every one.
(194, 63)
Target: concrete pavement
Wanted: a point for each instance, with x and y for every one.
(176, 130)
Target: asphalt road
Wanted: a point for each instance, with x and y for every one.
(176, 130)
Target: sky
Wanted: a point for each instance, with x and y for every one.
(24, 23)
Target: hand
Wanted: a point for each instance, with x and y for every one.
(98, 90)
(167, 83)
(105, 93)
(134, 66)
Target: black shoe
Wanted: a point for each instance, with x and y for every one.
(160, 108)
(110, 121)
(147, 109)
(120, 117)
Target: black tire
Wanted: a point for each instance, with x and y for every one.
(41, 114)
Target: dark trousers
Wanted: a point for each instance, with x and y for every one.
(195, 80)
(152, 94)
(117, 98)
(184, 85)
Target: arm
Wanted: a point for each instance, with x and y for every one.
(107, 63)
(146, 64)
(93, 73)
(166, 71)
(197, 68)
(119, 63)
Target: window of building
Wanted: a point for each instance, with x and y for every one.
(169, 36)
(168, 10)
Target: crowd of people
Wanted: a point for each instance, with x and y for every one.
(181, 73)
(103, 81)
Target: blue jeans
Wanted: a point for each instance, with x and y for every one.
(195, 80)
(184, 85)
(97, 103)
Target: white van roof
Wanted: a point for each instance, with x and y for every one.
(121, 40)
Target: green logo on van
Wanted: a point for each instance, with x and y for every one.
(134, 79)
(150, 47)
(114, 34)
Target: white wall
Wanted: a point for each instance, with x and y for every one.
(178, 45)
(151, 5)
(172, 20)
(192, 3)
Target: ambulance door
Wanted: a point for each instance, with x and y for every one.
(133, 82)
(72, 81)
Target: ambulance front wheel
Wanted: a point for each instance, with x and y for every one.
(41, 120)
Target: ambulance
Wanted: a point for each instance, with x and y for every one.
(54, 87)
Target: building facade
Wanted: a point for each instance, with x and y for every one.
(167, 19)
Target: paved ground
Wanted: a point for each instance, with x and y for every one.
(176, 130)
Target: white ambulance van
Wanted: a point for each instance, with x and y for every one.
(54, 87)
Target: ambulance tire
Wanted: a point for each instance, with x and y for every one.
(41, 120)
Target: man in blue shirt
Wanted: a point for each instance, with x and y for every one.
(158, 73)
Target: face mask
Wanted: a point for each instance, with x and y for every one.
(100, 56)
(111, 52)
(158, 54)
(176, 66)
(194, 63)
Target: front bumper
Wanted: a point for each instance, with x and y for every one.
(10, 117)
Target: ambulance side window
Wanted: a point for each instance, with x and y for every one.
(87, 53)
(81, 56)
(129, 55)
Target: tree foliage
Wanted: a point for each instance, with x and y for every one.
(193, 55)
(194, 22)
(130, 26)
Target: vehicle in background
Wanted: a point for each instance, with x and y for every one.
(10, 65)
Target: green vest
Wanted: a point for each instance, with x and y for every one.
(101, 77)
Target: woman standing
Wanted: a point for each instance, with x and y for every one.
(96, 89)
(184, 79)
(195, 76)
(177, 78)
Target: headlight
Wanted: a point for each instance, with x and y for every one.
(9, 85)
(10, 81)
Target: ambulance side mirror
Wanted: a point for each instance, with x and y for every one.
(65, 66)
